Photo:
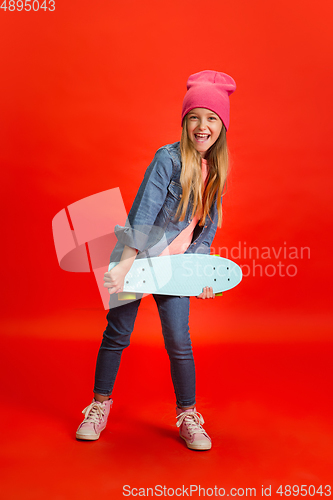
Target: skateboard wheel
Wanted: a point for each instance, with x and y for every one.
(219, 294)
(215, 255)
(126, 296)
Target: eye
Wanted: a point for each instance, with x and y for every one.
(212, 118)
(192, 117)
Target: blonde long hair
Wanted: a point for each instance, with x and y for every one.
(202, 199)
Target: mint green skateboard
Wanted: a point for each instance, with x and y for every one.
(181, 275)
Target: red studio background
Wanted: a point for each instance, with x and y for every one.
(88, 92)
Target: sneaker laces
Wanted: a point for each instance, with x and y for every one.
(94, 412)
(194, 420)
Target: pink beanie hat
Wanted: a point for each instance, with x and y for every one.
(211, 90)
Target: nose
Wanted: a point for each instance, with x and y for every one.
(202, 124)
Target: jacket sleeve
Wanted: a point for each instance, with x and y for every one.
(206, 242)
(212, 231)
(139, 231)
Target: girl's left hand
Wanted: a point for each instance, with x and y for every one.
(207, 293)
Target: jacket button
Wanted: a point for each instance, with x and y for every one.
(195, 243)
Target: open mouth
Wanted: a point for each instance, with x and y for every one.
(201, 137)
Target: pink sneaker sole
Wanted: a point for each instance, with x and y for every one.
(197, 446)
(86, 437)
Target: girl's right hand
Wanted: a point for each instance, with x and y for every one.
(114, 279)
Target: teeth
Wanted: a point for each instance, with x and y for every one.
(202, 135)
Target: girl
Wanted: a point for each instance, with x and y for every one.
(176, 210)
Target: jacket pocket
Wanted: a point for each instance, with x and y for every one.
(173, 198)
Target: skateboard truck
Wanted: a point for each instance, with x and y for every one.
(126, 296)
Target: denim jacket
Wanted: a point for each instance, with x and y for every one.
(151, 223)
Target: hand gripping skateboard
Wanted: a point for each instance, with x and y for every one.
(83, 242)
(181, 275)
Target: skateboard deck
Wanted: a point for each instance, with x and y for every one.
(181, 275)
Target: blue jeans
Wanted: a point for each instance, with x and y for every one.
(174, 315)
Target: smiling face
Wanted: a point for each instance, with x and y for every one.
(203, 128)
